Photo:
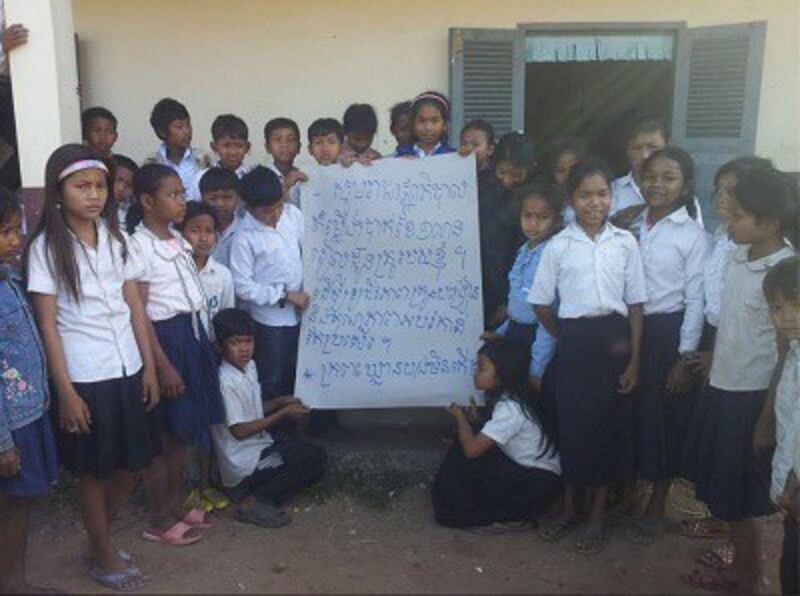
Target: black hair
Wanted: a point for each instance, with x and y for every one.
(229, 125)
(481, 126)
(218, 179)
(123, 161)
(146, 181)
(431, 98)
(90, 114)
(325, 126)
(588, 167)
(557, 148)
(165, 112)
(260, 187)
(551, 193)
(783, 280)
(645, 123)
(59, 243)
(737, 167)
(770, 194)
(196, 209)
(516, 149)
(230, 322)
(511, 360)
(399, 110)
(278, 123)
(360, 117)
(9, 205)
(686, 165)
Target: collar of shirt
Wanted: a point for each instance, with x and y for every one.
(162, 152)
(629, 181)
(157, 242)
(576, 232)
(251, 224)
(420, 152)
(211, 266)
(679, 216)
(240, 171)
(271, 165)
(741, 253)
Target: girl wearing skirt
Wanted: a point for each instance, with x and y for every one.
(674, 249)
(731, 477)
(28, 462)
(508, 472)
(594, 270)
(94, 329)
(185, 358)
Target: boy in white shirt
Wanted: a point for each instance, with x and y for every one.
(230, 144)
(220, 190)
(260, 471)
(268, 277)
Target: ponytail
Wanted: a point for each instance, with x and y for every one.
(146, 181)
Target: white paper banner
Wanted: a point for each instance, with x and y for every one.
(391, 260)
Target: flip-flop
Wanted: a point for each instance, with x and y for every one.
(553, 531)
(719, 557)
(196, 518)
(709, 579)
(592, 541)
(263, 515)
(119, 581)
(174, 536)
(704, 528)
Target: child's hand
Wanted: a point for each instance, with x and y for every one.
(293, 178)
(629, 379)
(74, 414)
(535, 383)
(699, 362)
(456, 411)
(10, 463)
(489, 335)
(764, 432)
(789, 499)
(679, 379)
(366, 160)
(472, 411)
(295, 411)
(300, 300)
(170, 381)
(286, 400)
(150, 389)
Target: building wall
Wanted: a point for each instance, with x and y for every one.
(311, 58)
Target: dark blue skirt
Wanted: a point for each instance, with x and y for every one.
(595, 421)
(729, 476)
(189, 417)
(662, 420)
(38, 458)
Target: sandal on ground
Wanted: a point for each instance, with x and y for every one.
(196, 518)
(124, 556)
(706, 527)
(709, 579)
(553, 531)
(174, 536)
(119, 581)
(592, 541)
(719, 557)
(216, 498)
(263, 515)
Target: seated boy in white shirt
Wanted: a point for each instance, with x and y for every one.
(260, 471)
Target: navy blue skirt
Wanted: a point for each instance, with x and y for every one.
(38, 458)
(729, 476)
(662, 420)
(189, 417)
(595, 421)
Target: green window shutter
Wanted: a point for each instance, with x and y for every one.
(487, 78)
(717, 87)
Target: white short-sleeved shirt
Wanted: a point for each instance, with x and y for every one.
(674, 252)
(218, 285)
(265, 263)
(787, 420)
(168, 266)
(519, 437)
(590, 278)
(722, 247)
(745, 349)
(96, 332)
(241, 397)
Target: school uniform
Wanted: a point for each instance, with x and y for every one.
(294, 191)
(101, 355)
(729, 476)
(722, 247)
(191, 164)
(522, 324)
(24, 396)
(271, 470)
(266, 264)
(177, 306)
(415, 150)
(594, 282)
(222, 250)
(674, 251)
(193, 190)
(516, 480)
(217, 284)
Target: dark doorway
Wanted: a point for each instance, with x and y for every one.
(594, 101)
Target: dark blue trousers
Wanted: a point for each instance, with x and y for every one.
(276, 359)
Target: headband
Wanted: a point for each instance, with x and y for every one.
(433, 97)
(84, 164)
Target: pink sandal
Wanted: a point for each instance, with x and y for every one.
(174, 536)
(196, 518)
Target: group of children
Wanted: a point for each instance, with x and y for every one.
(622, 343)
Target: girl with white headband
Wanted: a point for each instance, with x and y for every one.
(94, 328)
(430, 115)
